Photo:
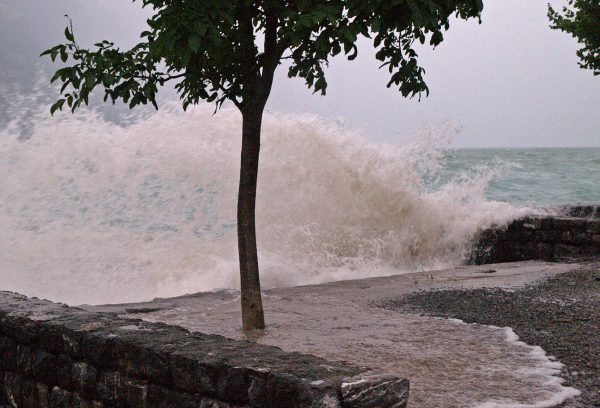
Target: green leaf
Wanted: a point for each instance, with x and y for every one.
(194, 43)
(69, 35)
(64, 86)
(63, 55)
(376, 25)
(90, 81)
(321, 85)
(354, 50)
(349, 36)
(57, 106)
(306, 20)
(436, 38)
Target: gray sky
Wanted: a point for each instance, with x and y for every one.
(511, 81)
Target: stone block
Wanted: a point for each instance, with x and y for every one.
(101, 349)
(508, 251)
(538, 250)
(375, 392)
(233, 384)
(161, 397)
(25, 393)
(191, 375)
(142, 362)
(570, 224)
(276, 390)
(520, 235)
(585, 211)
(51, 369)
(593, 226)
(84, 378)
(574, 252)
(136, 393)
(3, 396)
(111, 387)
(66, 399)
(518, 224)
(575, 238)
(536, 223)
(547, 223)
(8, 354)
(547, 236)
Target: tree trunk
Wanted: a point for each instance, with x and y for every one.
(252, 309)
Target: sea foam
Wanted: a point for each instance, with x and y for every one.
(93, 212)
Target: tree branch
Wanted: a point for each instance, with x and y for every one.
(160, 76)
(272, 53)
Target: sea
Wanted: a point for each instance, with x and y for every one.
(97, 212)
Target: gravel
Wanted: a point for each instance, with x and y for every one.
(561, 315)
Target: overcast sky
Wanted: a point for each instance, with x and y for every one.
(511, 81)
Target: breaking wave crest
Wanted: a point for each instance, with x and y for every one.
(94, 212)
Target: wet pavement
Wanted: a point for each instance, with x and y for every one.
(449, 363)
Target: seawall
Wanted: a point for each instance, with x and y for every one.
(573, 235)
(52, 355)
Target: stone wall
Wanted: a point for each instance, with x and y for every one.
(580, 211)
(52, 355)
(547, 238)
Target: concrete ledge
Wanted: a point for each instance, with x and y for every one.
(52, 355)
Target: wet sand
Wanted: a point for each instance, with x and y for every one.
(561, 315)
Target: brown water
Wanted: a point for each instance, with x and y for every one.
(449, 363)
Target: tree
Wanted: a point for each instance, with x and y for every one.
(581, 19)
(221, 51)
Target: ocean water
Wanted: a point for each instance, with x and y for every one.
(94, 212)
(530, 176)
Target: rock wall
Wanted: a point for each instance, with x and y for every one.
(542, 238)
(580, 211)
(52, 355)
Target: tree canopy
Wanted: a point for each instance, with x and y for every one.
(581, 19)
(212, 48)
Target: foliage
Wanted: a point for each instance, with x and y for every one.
(228, 50)
(581, 19)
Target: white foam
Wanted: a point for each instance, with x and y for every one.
(545, 368)
(92, 212)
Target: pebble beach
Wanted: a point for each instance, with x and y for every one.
(560, 314)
